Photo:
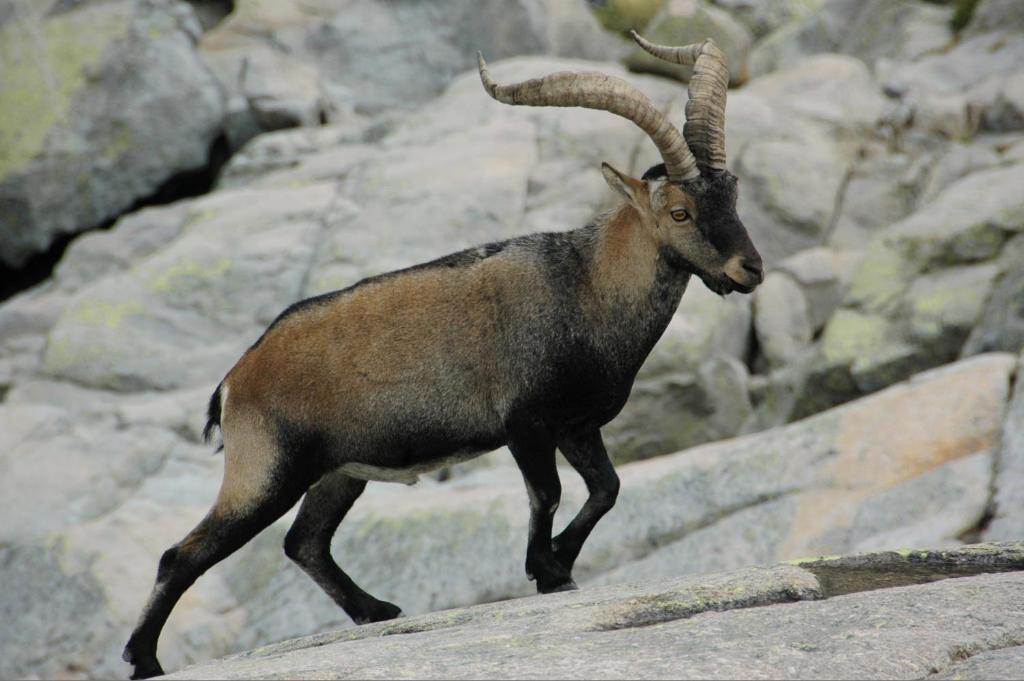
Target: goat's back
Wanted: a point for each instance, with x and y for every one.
(432, 354)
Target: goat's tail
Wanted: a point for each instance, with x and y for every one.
(213, 416)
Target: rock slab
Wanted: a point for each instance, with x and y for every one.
(695, 627)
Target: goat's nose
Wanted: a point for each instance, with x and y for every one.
(755, 268)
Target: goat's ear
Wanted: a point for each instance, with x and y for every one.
(629, 187)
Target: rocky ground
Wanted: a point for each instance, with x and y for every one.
(955, 614)
(864, 398)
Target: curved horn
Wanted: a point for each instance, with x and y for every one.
(604, 93)
(705, 106)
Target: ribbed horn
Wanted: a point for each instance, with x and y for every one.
(605, 93)
(705, 107)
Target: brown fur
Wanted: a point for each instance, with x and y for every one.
(380, 345)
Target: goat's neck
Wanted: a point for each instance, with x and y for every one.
(634, 291)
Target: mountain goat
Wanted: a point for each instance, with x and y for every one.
(532, 343)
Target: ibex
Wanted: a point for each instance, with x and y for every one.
(532, 343)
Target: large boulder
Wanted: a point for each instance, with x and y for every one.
(836, 90)
(956, 161)
(103, 103)
(823, 275)
(818, 31)
(936, 508)
(791, 189)
(839, 480)
(901, 31)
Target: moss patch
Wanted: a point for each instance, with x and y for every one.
(851, 334)
(963, 11)
(623, 15)
(185, 276)
(880, 280)
(105, 313)
(42, 67)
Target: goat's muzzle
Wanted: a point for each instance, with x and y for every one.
(745, 273)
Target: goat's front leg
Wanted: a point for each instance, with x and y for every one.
(534, 452)
(586, 453)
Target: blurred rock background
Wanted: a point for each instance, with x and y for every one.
(173, 174)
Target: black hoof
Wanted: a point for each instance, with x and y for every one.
(144, 666)
(147, 670)
(555, 588)
(380, 611)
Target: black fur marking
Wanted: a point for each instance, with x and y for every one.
(493, 248)
(402, 443)
(213, 416)
(301, 444)
(716, 205)
(657, 172)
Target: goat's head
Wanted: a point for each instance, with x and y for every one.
(689, 201)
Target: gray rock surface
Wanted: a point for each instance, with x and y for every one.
(761, 17)
(873, 30)
(924, 283)
(995, 15)
(781, 320)
(1008, 501)
(698, 627)
(818, 31)
(933, 509)
(830, 88)
(1001, 663)
(881, 188)
(128, 103)
(958, 161)
(899, 31)
(1001, 324)
(956, 91)
(342, 59)
(823, 275)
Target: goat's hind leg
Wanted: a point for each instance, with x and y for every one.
(308, 543)
(259, 487)
(222, 532)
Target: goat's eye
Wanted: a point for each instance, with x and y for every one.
(680, 215)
